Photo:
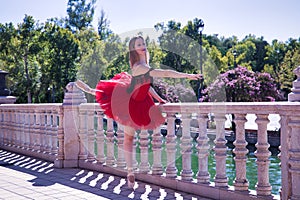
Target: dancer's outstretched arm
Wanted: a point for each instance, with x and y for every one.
(83, 86)
(156, 96)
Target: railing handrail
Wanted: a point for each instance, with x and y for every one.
(16, 119)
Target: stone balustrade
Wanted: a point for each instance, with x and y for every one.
(77, 134)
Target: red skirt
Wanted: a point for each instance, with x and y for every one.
(121, 106)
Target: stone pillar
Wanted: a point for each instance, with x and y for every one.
(240, 151)
(203, 150)
(171, 170)
(262, 153)
(157, 139)
(295, 94)
(294, 157)
(186, 149)
(72, 100)
(220, 149)
(144, 144)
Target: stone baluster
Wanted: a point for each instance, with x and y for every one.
(1, 128)
(294, 157)
(43, 126)
(203, 149)
(134, 152)
(26, 129)
(100, 138)
(262, 153)
(120, 140)
(5, 127)
(60, 137)
(13, 128)
(48, 131)
(186, 148)
(240, 151)
(144, 145)
(220, 149)
(21, 128)
(82, 135)
(171, 171)
(10, 134)
(31, 129)
(110, 143)
(37, 128)
(54, 133)
(284, 156)
(157, 168)
(91, 134)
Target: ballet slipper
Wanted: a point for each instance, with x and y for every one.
(130, 179)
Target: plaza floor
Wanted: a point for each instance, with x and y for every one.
(23, 177)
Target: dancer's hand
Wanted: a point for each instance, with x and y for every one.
(194, 76)
(162, 101)
(83, 86)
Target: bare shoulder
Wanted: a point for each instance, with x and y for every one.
(140, 69)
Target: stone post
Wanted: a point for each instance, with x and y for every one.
(295, 94)
(72, 100)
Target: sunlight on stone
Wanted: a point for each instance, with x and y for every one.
(94, 182)
(117, 189)
(83, 179)
(43, 169)
(178, 196)
(79, 173)
(104, 186)
(163, 194)
(26, 163)
(50, 170)
(147, 192)
(38, 166)
(21, 161)
(29, 166)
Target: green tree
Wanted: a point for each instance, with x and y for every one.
(60, 63)
(80, 14)
(286, 77)
(103, 26)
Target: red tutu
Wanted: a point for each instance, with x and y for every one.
(127, 100)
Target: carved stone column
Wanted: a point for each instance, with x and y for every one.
(240, 151)
(60, 137)
(220, 149)
(91, 135)
(203, 149)
(72, 99)
(144, 144)
(262, 153)
(294, 157)
(171, 171)
(82, 135)
(157, 168)
(121, 163)
(110, 143)
(100, 138)
(186, 148)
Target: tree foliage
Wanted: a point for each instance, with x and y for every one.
(80, 14)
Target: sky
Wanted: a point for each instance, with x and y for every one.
(270, 19)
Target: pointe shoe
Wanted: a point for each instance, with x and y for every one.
(130, 180)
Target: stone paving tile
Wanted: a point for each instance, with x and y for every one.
(23, 177)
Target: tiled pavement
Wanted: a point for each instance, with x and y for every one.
(23, 177)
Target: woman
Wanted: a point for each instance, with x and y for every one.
(128, 99)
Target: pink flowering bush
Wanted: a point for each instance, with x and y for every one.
(242, 85)
(174, 93)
